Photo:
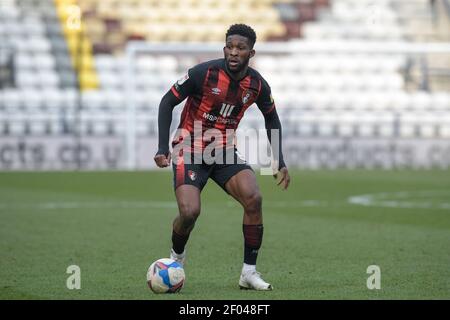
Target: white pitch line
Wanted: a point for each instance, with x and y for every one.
(400, 199)
(61, 205)
(68, 205)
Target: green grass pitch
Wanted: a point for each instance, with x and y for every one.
(320, 236)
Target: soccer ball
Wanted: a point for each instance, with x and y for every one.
(165, 276)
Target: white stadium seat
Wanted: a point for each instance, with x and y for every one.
(367, 122)
(444, 126)
(346, 123)
(32, 98)
(93, 99)
(11, 99)
(70, 98)
(421, 100)
(113, 99)
(44, 61)
(409, 124)
(110, 80)
(53, 98)
(399, 100)
(24, 60)
(441, 100)
(39, 127)
(326, 124)
(166, 64)
(105, 62)
(48, 78)
(146, 63)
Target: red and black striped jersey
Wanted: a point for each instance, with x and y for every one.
(217, 100)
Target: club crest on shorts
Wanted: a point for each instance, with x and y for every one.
(192, 175)
(246, 96)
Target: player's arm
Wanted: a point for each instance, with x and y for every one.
(179, 91)
(273, 125)
(166, 106)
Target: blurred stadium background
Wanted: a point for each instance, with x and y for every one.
(358, 83)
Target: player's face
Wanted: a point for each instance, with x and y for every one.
(237, 53)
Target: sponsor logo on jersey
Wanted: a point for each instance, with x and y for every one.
(213, 118)
(216, 91)
(226, 109)
(192, 175)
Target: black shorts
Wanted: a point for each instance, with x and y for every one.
(197, 174)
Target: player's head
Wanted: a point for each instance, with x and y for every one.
(238, 50)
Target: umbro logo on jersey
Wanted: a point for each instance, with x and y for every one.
(226, 110)
(216, 91)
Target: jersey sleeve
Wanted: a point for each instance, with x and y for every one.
(189, 84)
(265, 101)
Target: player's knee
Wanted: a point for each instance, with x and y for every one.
(189, 212)
(253, 203)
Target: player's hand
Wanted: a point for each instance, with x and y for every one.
(285, 179)
(162, 160)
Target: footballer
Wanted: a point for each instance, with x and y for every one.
(218, 93)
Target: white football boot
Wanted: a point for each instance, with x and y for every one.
(251, 280)
(180, 258)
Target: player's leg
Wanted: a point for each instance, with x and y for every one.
(189, 180)
(188, 200)
(239, 181)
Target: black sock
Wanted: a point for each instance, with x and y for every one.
(179, 242)
(252, 242)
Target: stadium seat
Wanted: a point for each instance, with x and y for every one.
(166, 64)
(114, 99)
(44, 61)
(24, 61)
(17, 126)
(11, 99)
(400, 100)
(421, 100)
(444, 126)
(104, 62)
(27, 79)
(39, 128)
(70, 98)
(48, 78)
(92, 99)
(409, 125)
(53, 98)
(32, 98)
(99, 128)
(366, 124)
(441, 100)
(146, 64)
(109, 80)
(346, 124)
(327, 124)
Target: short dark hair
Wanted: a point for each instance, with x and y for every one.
(243, 30)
